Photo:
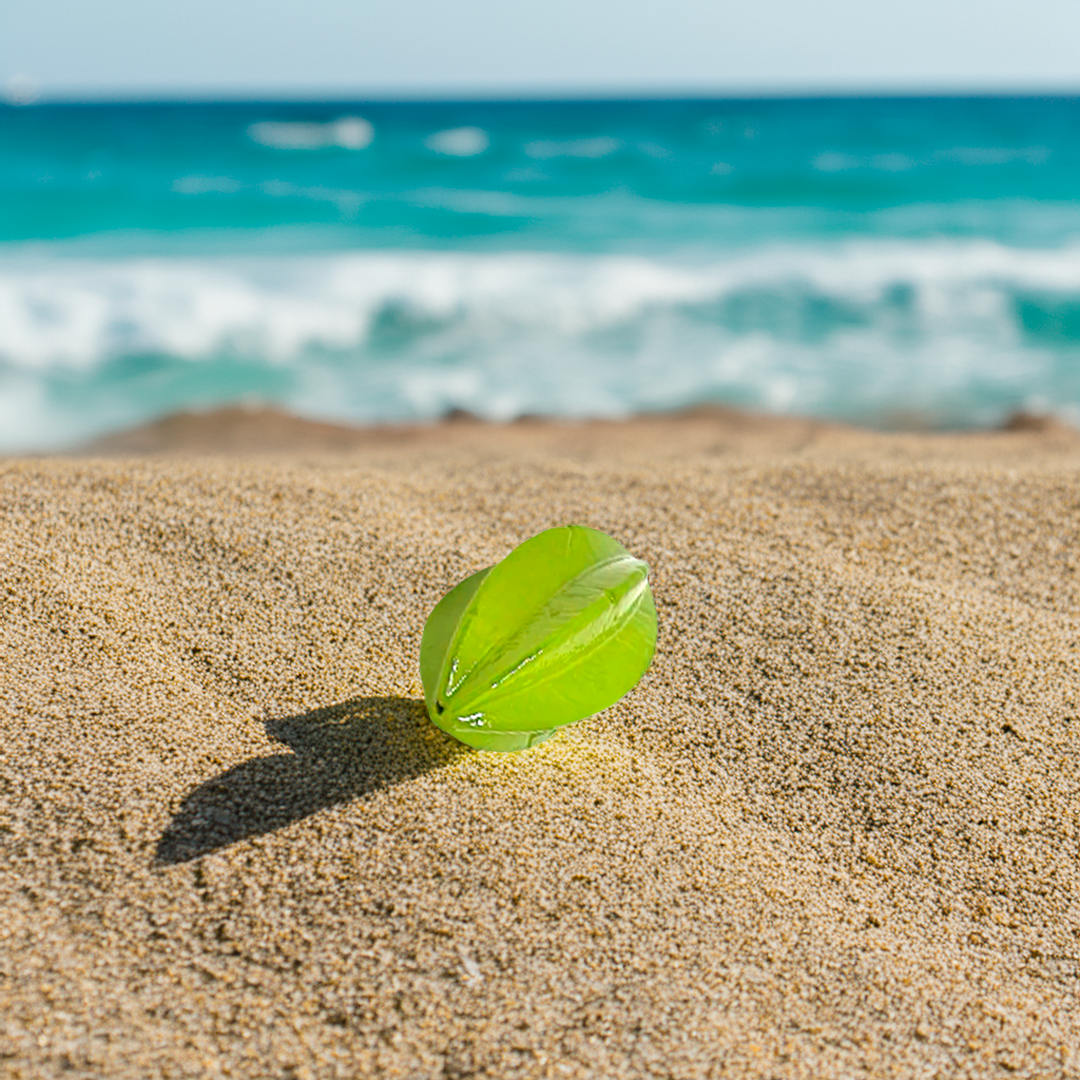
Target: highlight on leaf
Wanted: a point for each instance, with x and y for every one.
(562, 628)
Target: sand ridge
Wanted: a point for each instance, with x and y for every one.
(834, 832)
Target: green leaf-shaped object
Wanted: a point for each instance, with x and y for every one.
(563, 627)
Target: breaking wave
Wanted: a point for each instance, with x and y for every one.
(955, 332)
(347, 132)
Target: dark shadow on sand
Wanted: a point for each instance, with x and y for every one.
(340, 752)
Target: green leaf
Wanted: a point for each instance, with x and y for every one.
(563, 627)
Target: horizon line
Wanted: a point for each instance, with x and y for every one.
(508, 95)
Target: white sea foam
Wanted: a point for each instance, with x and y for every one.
(200, 185)
(995, 155)
(597, 147)
(831, 161)
(347, 132)
(853, 330)
(459, 142)
(347, 201)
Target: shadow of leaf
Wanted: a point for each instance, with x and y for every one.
(340, 752)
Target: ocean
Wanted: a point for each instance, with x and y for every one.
(888, 261)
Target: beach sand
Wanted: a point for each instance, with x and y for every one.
(834, 832)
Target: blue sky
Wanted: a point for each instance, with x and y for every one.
(72, 48)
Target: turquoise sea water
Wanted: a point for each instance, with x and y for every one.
(882, 260)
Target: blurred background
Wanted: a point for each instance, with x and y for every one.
(369, 212)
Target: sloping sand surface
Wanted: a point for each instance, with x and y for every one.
(835, 831)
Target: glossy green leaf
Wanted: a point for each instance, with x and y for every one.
(563, 627)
